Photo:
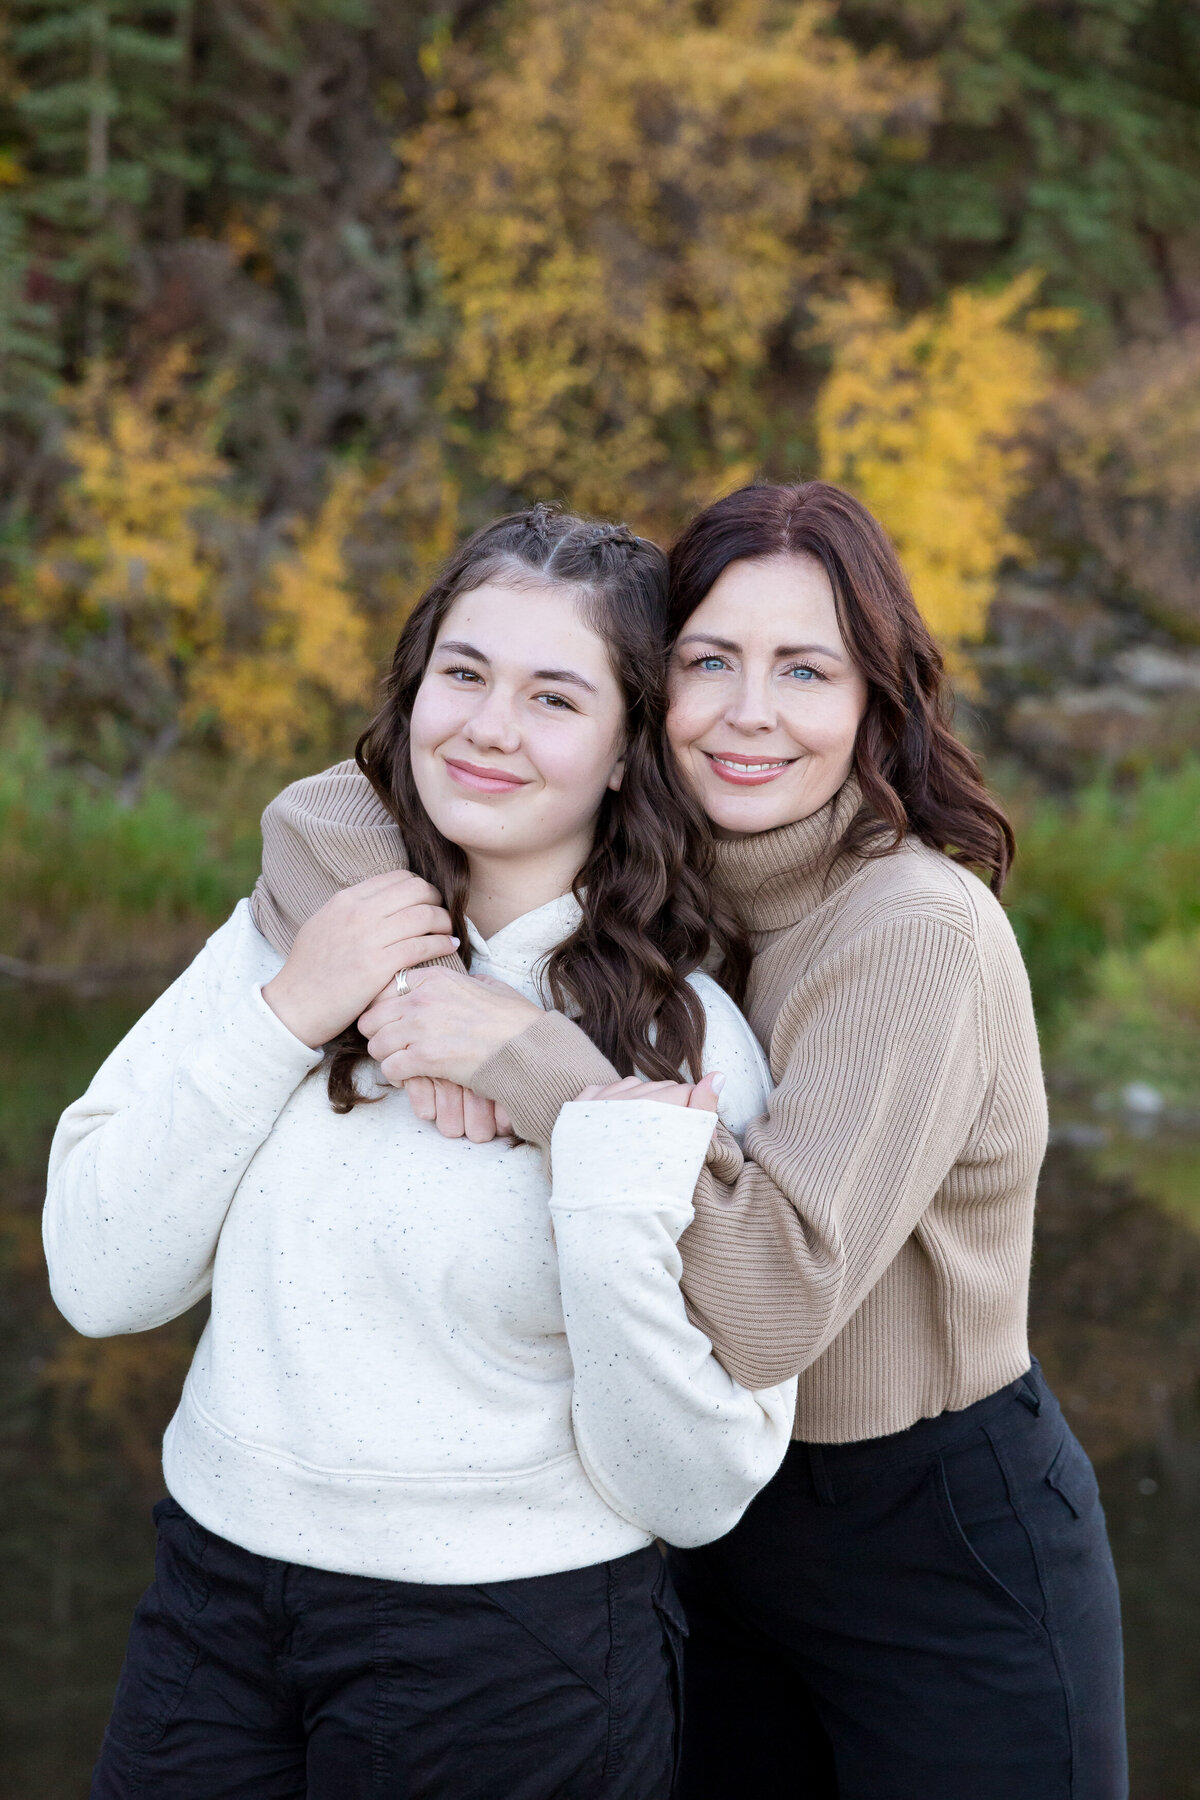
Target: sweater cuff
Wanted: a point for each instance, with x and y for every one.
(628, 1153)
(539, 1071)
(252, 1064)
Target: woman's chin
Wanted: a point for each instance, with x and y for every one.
(752, 810)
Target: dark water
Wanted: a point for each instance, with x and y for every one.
(1116, 1322)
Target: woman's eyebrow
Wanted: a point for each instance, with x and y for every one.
(720, 643)
(809, 650)
(706, 637)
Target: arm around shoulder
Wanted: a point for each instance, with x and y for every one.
(881, 1074)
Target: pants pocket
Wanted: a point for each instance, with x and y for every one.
(1072, 1477)
(568, 1615)
(987, 1531)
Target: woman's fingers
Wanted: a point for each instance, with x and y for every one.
(385, 1042)
(701, 1095)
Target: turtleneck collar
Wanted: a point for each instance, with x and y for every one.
(520, 948)
(774, 878)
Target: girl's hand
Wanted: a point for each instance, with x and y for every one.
(456, 1111)
(346, 952)
(444, 1026)
(700, 1095)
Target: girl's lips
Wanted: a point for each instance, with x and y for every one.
(484, 781)
(747, 771)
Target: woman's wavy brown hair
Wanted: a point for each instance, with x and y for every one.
(914, 773)
(648, 920)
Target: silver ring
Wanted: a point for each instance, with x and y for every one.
(402, 983)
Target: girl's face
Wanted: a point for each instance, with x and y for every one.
(518, 727)
(765, 700)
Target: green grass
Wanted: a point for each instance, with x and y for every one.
(1105, 873)
(88, 876)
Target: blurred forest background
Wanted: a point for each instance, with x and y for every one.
(294, 292)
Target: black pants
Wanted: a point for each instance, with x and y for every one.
(929, 1616)
(262, 1680)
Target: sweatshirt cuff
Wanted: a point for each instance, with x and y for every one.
(539, 1071)
(253, 1064)
(628, 1153)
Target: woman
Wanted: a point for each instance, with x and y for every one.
(922, 1603)
(434, 1422)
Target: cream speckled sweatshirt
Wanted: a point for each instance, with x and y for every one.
(420, 1362)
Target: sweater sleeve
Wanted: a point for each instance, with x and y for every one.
(881, 1077)
(667, 1437)
(144, 1166)
(879, 1073)
(535, 1074)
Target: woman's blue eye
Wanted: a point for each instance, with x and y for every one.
(804, 673)
(711, 662)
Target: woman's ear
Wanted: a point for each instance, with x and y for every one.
(618, 774)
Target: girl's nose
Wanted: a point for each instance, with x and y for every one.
(492, 726)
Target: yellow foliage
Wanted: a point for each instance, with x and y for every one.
(618, 214)
(148, 532)
(146, 465)
(315, 653)
(919, 417)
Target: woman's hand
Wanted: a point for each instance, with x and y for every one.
(346, 952)
(701, 1096)
(444, 1026)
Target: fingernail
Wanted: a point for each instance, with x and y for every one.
(717, 1082)
(455, 941)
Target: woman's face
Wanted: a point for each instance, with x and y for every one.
(765, 700)
(517, 727)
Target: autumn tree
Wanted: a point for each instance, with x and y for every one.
(922, 418)
(625, 208)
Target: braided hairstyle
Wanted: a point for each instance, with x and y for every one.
(648, 918)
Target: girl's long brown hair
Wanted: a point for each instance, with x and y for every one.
(647, 918)
(914, 773)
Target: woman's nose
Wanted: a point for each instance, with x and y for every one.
(750, 706)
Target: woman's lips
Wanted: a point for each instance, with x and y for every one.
(483, 780)
(747, 771)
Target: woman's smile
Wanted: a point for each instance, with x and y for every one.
(746, 771)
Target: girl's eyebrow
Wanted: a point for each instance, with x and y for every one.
(571, 676)
(564, 675)
(720, 643)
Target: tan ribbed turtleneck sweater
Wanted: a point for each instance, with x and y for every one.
(876, 1234)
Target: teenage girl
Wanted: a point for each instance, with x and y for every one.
(441, 1409)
